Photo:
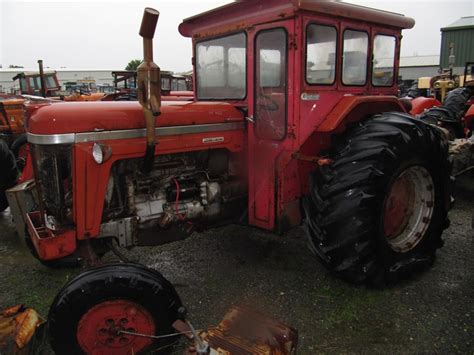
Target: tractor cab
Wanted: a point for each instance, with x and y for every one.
(288, 65)
(30, 83)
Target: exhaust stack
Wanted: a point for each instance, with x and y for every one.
(149, 84)
(41, 76)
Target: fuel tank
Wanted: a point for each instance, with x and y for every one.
(76, 117)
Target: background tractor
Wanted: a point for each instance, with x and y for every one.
(294, 122)
(446, 100)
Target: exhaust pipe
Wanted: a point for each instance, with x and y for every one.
(41, 75)
(149, 85)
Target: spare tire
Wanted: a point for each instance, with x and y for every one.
(376, 213)
(88, 314)
(9, 173)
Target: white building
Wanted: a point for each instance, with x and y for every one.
(101, 76)
(411, 68)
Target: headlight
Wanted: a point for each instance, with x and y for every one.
(101, 152)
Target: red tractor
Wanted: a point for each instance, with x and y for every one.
(294, 122)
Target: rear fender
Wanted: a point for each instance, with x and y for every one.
(350, 109)
(355, 108)
(420, 104)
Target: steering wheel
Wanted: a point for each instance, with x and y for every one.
(266, 103)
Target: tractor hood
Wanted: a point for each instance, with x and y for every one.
(77, 117)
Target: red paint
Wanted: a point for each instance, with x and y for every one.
(49, 244)
(27, 173)
(354, 108)
(98, 331)
(396, 208)
(69, 117)
(240, 13)
(420, 104)
(469, 119)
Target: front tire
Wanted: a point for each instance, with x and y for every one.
(9, 173)
(87, 312)
(376, 214)
(19, 150)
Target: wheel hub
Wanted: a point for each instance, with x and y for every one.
(99, 330)
(408, 208)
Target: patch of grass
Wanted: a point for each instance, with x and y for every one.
(34, 287)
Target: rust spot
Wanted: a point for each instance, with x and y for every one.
(312, 159)
(17, 326)
(12, 310)
(244, 330)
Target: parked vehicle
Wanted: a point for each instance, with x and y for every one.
(447, 101)
(282, 131)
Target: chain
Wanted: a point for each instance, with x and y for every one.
(156, 336)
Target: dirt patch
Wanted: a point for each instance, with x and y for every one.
(278, 275)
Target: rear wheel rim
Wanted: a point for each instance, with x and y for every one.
(408, 208)
(98, 331)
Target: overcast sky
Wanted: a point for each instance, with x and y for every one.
(104, 34)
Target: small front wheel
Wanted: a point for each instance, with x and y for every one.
(9, 173)
(19, 149)
(90, 312)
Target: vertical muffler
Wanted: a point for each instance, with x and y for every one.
(41, 76)
(149, 85)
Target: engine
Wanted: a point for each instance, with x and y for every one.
(187, 188)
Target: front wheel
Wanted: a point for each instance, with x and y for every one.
(376, 214)
(20, 150)
(89, 313)
(9, 173)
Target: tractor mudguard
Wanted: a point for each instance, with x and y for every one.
(420, 104)
(355, 108)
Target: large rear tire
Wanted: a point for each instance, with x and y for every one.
(89, 311)
(376, 214)
(9, 173)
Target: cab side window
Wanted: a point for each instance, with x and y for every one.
(354, 63)
(383, 62)
(321, 44)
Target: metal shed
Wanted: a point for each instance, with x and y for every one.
(461, 34)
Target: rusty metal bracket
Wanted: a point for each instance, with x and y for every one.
(321, 161)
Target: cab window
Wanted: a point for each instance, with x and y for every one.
(271, 84)
(383, 63)
(221, 68)
(354, 63)
(321, 44)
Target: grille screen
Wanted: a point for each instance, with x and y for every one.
(53, 174)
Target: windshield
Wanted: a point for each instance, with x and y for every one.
(49, 81)
(220, 68)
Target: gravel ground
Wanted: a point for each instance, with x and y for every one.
(432, 313)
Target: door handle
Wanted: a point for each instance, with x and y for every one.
(250, 118)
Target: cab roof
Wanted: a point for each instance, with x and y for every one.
(246, 12)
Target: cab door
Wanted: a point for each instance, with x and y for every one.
(270, 72)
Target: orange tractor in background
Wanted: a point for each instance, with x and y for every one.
(12, 142)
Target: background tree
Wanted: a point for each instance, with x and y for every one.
(133, 64)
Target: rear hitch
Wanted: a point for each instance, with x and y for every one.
(148, 86)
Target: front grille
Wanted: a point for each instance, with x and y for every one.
(52, 167)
